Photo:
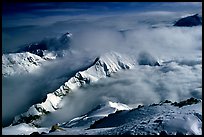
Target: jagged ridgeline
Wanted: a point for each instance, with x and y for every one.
(103, 66)
(48, 44)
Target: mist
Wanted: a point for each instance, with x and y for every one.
(177, 79)
(23, 29)
(143, 85)
(22, 91)
(179, 47)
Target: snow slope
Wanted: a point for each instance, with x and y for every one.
(84, 121)
(156, 119)
(23, 129)
(20, 63)
(97, 113)
(164, 118)
(103, 67)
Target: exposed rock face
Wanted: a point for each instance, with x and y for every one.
(189, 21)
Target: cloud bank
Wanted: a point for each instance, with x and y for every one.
(129, 33)
(142, 85)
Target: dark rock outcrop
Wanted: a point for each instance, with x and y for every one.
(50, 44)
(189, 21)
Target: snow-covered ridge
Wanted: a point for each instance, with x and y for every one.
(164, 118)
(48, 48)
(20, 63)
(103, 67)
(102, 110)
(191, 14)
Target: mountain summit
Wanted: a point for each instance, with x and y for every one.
(189, 21)
(48, 45)
(103, 67)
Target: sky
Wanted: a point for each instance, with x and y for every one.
(34, 21)
(71, 8)
(127, 27)
(39, 19)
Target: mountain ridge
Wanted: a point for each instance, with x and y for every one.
(19, 63)
(104, 66)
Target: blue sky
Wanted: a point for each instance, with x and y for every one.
(73, 8)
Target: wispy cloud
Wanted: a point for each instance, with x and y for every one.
(93, 35)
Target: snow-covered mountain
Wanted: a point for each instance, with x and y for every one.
(164, 118)
(30, 57)
(103, 67)
(49, 48)
(111, 118)
(127, 73)
(20, 63)
(102, 110)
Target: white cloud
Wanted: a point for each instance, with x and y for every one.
(142, 85)
(94, 35)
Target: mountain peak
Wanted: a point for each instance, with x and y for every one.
(104, 66)
(189, 21)
(41, 48)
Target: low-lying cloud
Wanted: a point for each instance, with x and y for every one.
(93, 36)
(22, 91)
(142, 85)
